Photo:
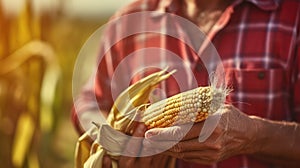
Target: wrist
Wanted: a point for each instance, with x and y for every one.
(257, 135)
(274, 141)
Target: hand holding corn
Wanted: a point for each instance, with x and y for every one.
(191, 106)
(233, 134)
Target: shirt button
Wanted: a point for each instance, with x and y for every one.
(261, 75)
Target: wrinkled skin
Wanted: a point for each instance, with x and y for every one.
(232, 136)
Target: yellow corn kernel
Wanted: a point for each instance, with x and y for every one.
(186, 107)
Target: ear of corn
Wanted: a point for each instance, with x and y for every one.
(191, 106)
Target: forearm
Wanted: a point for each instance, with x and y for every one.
(276, 141)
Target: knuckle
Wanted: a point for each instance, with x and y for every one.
(217, 147)
(180, 155)
(177, 148)
(216, 157)
(214, 146)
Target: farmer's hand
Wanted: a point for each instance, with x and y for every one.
(232, 134)
(133, 152)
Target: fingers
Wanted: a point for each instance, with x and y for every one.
(202, 161)
(206, 157)
(156, 147)
(194, 131)
(175, 133)
(159, 161)
(166, 134)
(136, 146)
(186, 146)
(182, 146)
(160, 133)
(145, 162)
(106, 162)
(140, 130)
(133, 147)
(161, 139)
(204, 154)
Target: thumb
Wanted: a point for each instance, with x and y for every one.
(133, 148)
(134, 144)
(166, 134)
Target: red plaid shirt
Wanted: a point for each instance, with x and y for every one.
(258, 41)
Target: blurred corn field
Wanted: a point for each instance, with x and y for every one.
(37, 54)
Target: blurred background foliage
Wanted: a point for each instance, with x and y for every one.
(38, 49)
